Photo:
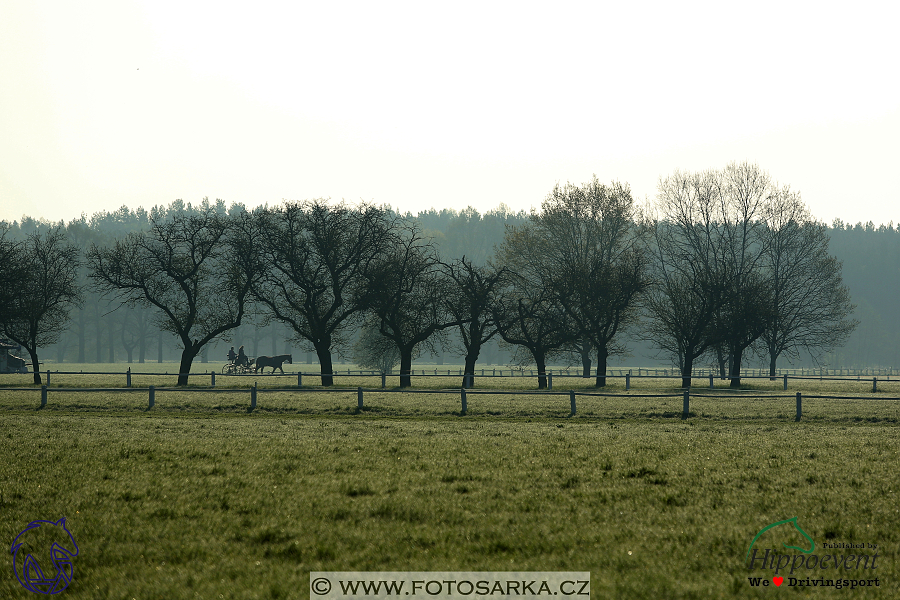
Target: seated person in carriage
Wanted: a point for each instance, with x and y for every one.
(242, 359)
(231, 355)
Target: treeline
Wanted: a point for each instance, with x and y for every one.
(433, 257)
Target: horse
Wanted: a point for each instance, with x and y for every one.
(272, 361)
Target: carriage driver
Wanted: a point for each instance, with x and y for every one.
(242, 358)
(231, 355)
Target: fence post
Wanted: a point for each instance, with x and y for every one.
(299, 379)
(212, 379)
(785, 382)
(253, 396)
(550, 380)
(799, 406)
(572, 401)
(874, 384)
(43, 396)
(48, 376)
(359, 398)
(383, 380)
(128, 377)
(686, 409)
(152, 399)
(462, 395)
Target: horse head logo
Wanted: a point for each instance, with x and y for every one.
(793, 521)
(39, 538)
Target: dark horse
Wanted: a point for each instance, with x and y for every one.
(272, 361)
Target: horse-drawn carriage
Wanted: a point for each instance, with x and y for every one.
(238, 368)
(254, 365)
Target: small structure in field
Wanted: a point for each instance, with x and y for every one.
(10, 362)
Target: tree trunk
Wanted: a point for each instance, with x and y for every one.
(326, 369)
(736, 356)
(541, 362)
(142, 339)
(35, 365)
(82, 335)
(772, 358)
(405, 367)
(686, 371)
(470, 370)
(602, 357)
(586, 360)
(187, 359)
(61, 348)
(720, 356)
(98, 354)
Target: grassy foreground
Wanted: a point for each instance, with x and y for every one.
(201, 499)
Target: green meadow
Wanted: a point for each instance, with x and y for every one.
(202, 498)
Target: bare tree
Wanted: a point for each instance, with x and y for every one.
(809, 304)
(374, 351)
(681, 305)
(583, 248)
(471, 295)
(704, 252)
(407, 291)
(12, 271)
(746, 192)
(317, 257)
(46, 289)
(136, 330)
(529, 316)
(738, 259)
(195, 270)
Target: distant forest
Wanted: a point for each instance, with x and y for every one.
(102, 330)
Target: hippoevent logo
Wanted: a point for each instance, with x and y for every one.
(797, 564)
(42, 556)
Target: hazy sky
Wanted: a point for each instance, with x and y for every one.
(425, 104)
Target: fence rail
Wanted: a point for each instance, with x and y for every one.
(513, 373)
(463, 394)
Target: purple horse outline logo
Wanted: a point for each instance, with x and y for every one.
(34, 539)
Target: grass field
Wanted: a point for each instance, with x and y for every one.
(200, 498)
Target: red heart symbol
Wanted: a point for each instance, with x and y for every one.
(777, 580)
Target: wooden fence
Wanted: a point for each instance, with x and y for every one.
(462, 392)
(492, 373)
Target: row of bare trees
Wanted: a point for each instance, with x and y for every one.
(737, 262)
(722, 263)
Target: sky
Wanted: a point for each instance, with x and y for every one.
(444, 105)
